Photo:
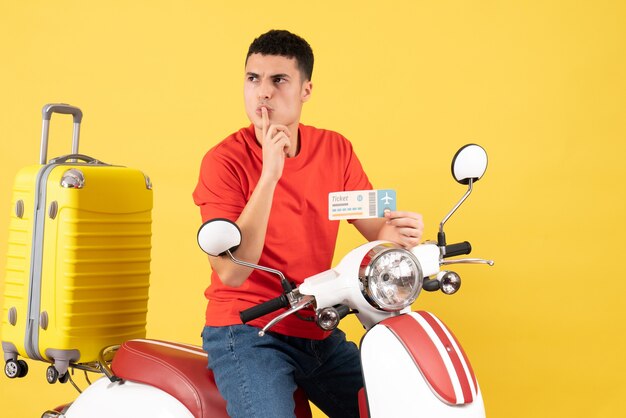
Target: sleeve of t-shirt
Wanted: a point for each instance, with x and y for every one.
(218, 193)
(355, 177)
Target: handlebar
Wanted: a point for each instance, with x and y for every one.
(264, 308)
(459, 248)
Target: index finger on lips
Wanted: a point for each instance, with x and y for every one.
(266, 121)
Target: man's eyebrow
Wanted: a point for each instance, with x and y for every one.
(279, 75)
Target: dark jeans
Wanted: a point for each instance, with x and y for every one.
(258, 375)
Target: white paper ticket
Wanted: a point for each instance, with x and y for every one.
(360, 204)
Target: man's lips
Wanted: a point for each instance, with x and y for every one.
(259, 110)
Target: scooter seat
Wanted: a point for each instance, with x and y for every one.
(181, 370)
(178, 369)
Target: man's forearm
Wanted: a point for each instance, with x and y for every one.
(253, 225)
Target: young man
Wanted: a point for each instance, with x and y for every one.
(273, 179)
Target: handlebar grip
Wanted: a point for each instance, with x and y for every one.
(459, 248)
(264, 308)
(342, 310)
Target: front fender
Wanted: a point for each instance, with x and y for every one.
(414, 360)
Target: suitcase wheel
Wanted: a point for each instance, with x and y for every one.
(64, 377)
(52, 375)
(15, 368)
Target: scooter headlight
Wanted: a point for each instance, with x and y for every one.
(391, 277)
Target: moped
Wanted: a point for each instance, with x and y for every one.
(413, 366)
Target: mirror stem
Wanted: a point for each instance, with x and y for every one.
(283, 281)
(441, 236)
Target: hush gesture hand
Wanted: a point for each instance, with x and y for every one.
(276, 143)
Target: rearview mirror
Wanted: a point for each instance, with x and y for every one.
(469, 163)
(468, 166)
(217, 236)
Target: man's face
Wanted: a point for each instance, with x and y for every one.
(274, 82)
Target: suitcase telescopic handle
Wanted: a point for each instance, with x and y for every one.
(47, 112)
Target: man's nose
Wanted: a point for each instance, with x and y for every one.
(265, 89)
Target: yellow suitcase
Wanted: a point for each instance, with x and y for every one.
(78, 261)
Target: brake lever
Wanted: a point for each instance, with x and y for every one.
(467, 261)
(302, 303)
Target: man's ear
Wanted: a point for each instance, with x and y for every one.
(305, 94)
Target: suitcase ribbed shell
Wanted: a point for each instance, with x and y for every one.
(80, 283)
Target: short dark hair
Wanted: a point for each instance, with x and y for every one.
(285, 44)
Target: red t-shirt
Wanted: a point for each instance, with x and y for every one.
(300, 240)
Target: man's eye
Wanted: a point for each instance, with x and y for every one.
(251, 78)
(279, 80)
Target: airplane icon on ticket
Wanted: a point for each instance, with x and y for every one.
(386, 199)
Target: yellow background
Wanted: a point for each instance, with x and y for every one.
(540, 84)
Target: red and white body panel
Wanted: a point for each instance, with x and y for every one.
(414, 367)
(104, 399)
